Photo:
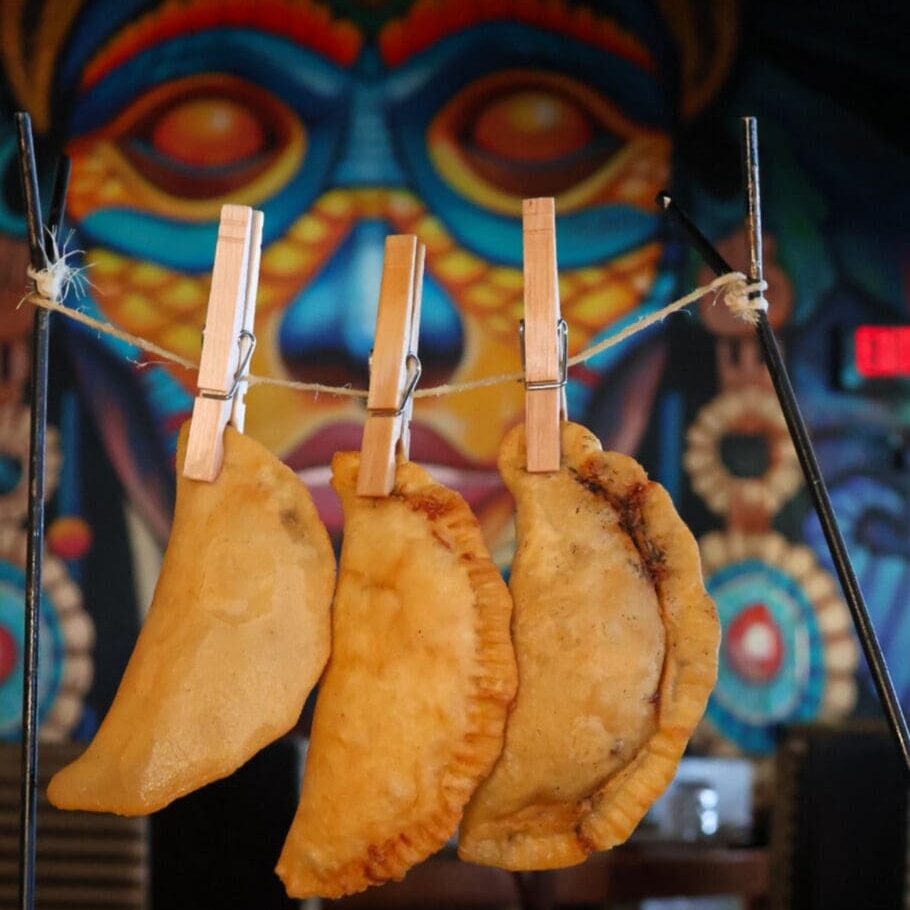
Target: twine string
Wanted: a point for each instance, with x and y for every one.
(743, 299)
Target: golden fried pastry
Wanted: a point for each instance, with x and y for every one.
(236, 637)
(411, 709)
(616, 641)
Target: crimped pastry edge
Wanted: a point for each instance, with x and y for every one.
(494, 690)
(608, 815)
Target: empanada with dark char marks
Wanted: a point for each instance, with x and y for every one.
(412, 707)
(616, 641)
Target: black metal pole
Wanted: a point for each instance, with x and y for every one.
(35, 541)
(802, 442)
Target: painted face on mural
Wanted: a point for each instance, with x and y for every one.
(345, 122)
(437, 123)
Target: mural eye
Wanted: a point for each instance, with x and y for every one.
(203, 137)
(209, 130)
(518, 133)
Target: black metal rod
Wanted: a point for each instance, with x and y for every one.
(802, 442)
(35, 540)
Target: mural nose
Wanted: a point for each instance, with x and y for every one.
(327, 330)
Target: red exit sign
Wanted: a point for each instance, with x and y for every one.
(882, 350)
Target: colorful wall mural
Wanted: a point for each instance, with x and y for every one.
(348, 121)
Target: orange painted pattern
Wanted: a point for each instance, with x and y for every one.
(430, 20)
(168, 307)
(305, 22)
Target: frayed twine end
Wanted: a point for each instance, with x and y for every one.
(58, 277)
(745, 300)
(54, 282)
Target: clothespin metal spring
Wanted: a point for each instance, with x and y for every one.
(245, 358)
(562, 334)
(415, 370)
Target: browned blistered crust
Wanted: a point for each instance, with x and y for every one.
(574, 809)
(412, 707)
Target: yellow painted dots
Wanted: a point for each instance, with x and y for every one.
(459, 266)
(508, 279)
(184, 295)
(598, 308)
(148, 275)
(483, 296)
(337, 204)
(185, 340)
(138, 313)
(282, 258)
(310, 229)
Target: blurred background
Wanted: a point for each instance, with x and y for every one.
(350, 120)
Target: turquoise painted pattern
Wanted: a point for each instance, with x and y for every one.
(748, 712)
(50, 657)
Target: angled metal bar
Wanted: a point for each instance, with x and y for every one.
(799, 434)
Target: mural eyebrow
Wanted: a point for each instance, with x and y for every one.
(303, 22)
(429, 22)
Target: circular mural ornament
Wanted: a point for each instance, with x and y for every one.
(14, 443)
(66, 639)
(788, 654)
(753, 415)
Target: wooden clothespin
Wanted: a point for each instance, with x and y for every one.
(543, 337)
(227, 342)
(394, 366)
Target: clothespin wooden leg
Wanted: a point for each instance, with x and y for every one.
(394, 365)
(412, 368)
(543, 337)
(227, 340)
(247, 342)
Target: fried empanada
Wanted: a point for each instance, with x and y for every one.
(411, 710)
(236, 637)
(616, 641)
